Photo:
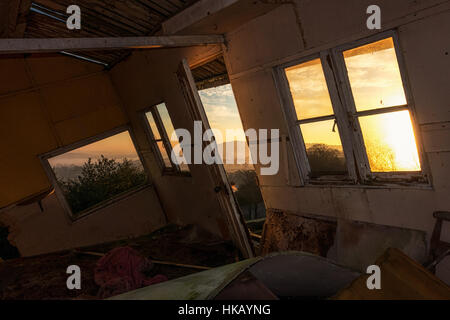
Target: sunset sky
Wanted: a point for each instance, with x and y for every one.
(116, 147)
(376, 83)
(222, 111)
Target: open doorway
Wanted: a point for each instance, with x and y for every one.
(220, 106)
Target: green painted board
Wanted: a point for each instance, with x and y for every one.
(198, 286)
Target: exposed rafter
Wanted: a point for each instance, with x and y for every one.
(9, 46)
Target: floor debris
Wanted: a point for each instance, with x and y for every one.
(44, 276)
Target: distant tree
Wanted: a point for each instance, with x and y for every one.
(100, 180)
(325, 159)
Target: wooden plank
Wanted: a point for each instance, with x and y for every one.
(8, 46)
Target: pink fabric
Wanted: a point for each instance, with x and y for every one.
(121, 270)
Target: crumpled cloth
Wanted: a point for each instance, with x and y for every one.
(121, 270)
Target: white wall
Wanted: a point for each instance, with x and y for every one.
(305, 27)
(34, 232)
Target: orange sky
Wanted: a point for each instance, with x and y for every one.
(117, 147)
(376, 83)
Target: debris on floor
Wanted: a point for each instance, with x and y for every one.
(44, 276)
(121, 270)
(283, 275)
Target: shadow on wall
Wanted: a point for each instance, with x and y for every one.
(7, 251)
(247, 193)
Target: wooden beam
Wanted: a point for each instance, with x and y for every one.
(193, 14)
(8, 46)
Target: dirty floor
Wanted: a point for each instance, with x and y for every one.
(44, 277)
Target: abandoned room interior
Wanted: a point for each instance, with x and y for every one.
(363, 167)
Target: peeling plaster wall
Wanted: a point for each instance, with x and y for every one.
(47, 102)
(301, 28)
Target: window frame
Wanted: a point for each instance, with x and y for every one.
(294, 124)
(82, 143)
(341, 96)
(175, 169)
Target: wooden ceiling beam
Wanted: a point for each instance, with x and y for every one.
(27, 45)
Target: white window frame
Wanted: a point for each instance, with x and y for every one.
(175, 169)
(79, 144)
(345, 113)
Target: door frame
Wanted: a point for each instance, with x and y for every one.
(216, 171)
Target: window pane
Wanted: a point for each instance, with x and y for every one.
(390, 142)
(98, 171)
(309, 90)
(153, 126)
(164, 155)
(163, 113)
(375, 76)
(324, 148)
(167, 122)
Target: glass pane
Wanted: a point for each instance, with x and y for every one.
(375, 76)
(98, 171)
(167, 122)
(164, 154)
(153, 126)
(168, 126)
(324, 148)
(390, 142)
(309, 90)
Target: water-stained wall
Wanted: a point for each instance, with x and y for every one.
(301, 28)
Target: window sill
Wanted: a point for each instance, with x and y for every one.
(379, 185)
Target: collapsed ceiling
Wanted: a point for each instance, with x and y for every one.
(112, 18)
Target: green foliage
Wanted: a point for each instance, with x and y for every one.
(101, 180)
(323, 159)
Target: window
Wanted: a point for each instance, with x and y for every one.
(316, 119)
(161, 129)
(350, 116)
(90, 174)
(381, 107)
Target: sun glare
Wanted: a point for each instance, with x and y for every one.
(390, 142)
